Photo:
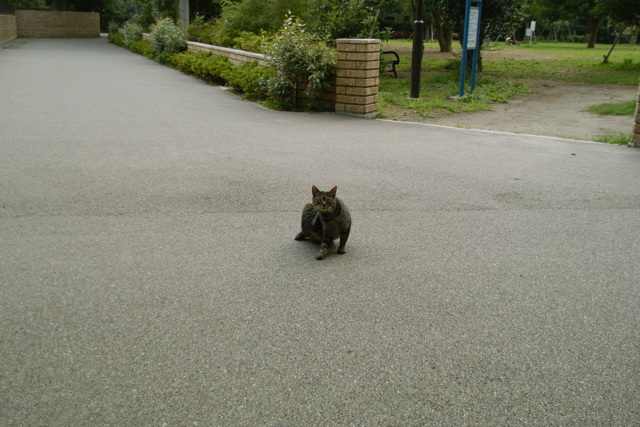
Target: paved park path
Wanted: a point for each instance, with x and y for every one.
(149, 276)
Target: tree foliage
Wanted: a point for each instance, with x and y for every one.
(626, 12)
(590, 10)
(498, 18)
(255, 16)
(345, 18)
(337, 18)
(149, 12)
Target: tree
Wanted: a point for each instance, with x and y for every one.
(569, 9)
(625, 12)
(343, 18)
(337, 18)
(208, 9)
(499, 17)
(446, 15)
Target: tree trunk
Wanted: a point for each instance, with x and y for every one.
(375, 19)
(470, 60)
(593, 23)
(443, 34)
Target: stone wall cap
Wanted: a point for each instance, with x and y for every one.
(228, 50)
(358, 41)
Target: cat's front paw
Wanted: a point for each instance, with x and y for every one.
(320, 256)
(342, 251)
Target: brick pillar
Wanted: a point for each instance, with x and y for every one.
(357, 77)
(635, 136)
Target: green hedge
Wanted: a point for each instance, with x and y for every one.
(248, 78)
(577, 39)
(202, 64)
(143, 47)
(117, 39)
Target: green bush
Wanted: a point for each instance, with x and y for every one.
(202, 64)
(202, 32)
(167, 38)
(132, 33)
(250, 42)
(298, 55)
(577, 39)
(212, 33)
(113, 28)
(143, 47)
(250, 79)
(117, 39)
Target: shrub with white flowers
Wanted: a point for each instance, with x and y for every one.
(167, 37)
(132, 33)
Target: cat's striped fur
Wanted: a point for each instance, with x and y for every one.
(325, 220)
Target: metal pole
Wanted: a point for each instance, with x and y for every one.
(606, 58)
(416, 54)
(475, 51)
(463, 68)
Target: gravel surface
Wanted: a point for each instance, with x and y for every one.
(150, 276)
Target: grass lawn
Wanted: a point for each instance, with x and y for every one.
(618, 109)
(504, 68)
(570, 62)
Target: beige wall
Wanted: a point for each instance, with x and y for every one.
(53, 24)
(8, 28)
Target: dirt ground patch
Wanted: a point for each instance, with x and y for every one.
(552, 109)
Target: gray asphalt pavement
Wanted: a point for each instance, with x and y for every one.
(149, 274)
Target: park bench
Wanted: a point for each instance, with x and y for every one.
(392, 62)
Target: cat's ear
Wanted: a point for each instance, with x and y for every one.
(314, 190)
(333, 190)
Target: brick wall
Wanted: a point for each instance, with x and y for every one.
(53, 24)
(235, 56)
(8, 28)
(358, 77)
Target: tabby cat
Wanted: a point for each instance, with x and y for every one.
(325, 220)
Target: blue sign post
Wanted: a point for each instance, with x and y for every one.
(471, 41)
